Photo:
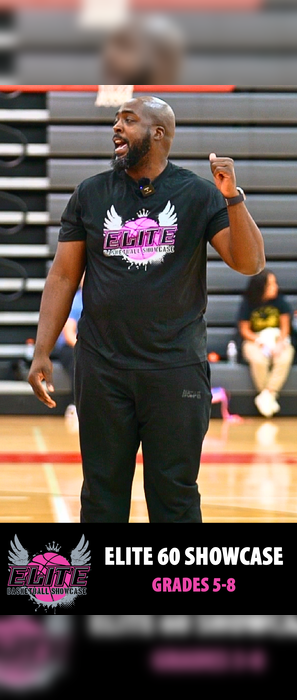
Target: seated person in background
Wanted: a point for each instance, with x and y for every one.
(66, 342)
(265, 326)
(143, 50)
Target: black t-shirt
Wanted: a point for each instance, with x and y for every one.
(264, 315)
(144, 295)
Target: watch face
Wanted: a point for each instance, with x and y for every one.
(240, 190)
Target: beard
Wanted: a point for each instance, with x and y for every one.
(135, 154)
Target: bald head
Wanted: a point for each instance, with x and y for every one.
(144, 129)
(157, 112)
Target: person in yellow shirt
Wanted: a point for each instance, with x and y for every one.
(265, 328)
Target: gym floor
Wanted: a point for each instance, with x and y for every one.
(248, 472)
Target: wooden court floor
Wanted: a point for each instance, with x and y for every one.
(248, 472)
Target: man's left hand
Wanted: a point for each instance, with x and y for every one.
(224, 175)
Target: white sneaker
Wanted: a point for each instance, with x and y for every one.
(265, 403)
(276, 406)
(71, 418)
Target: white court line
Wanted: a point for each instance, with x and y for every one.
(58, 502)
(14, 498)
(20, 518)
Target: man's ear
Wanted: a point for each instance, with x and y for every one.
(159, 133)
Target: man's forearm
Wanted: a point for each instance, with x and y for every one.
(246, 242)
(243, 247)
(55, 306)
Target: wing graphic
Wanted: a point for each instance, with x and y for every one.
(81, 554)
(112, 222)
(168, 217)
(18, 556)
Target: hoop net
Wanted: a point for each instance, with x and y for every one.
(113, 95)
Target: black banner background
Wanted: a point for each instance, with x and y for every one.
(257, 587)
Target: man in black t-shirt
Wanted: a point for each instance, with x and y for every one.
(141, 231)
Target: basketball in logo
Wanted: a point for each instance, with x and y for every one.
(45, 563)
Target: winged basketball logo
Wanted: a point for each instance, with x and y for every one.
(143, 240)
(47, 577)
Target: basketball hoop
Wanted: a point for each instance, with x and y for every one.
(113, 95)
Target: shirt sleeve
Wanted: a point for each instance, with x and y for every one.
(72, 228)
(218, 215)
(244, 313)
(284, 306)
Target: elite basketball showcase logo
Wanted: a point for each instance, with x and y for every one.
(143, 240)
(47, 577)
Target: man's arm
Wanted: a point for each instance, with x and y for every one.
(241, 245)
(61, 285)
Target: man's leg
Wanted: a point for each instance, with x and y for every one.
(108, 437)
(173, 408)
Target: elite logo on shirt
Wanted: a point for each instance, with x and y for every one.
(143, 240)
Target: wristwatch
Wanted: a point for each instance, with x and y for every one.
(241, 197)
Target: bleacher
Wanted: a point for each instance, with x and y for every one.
(69, 139)
(45, 41)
